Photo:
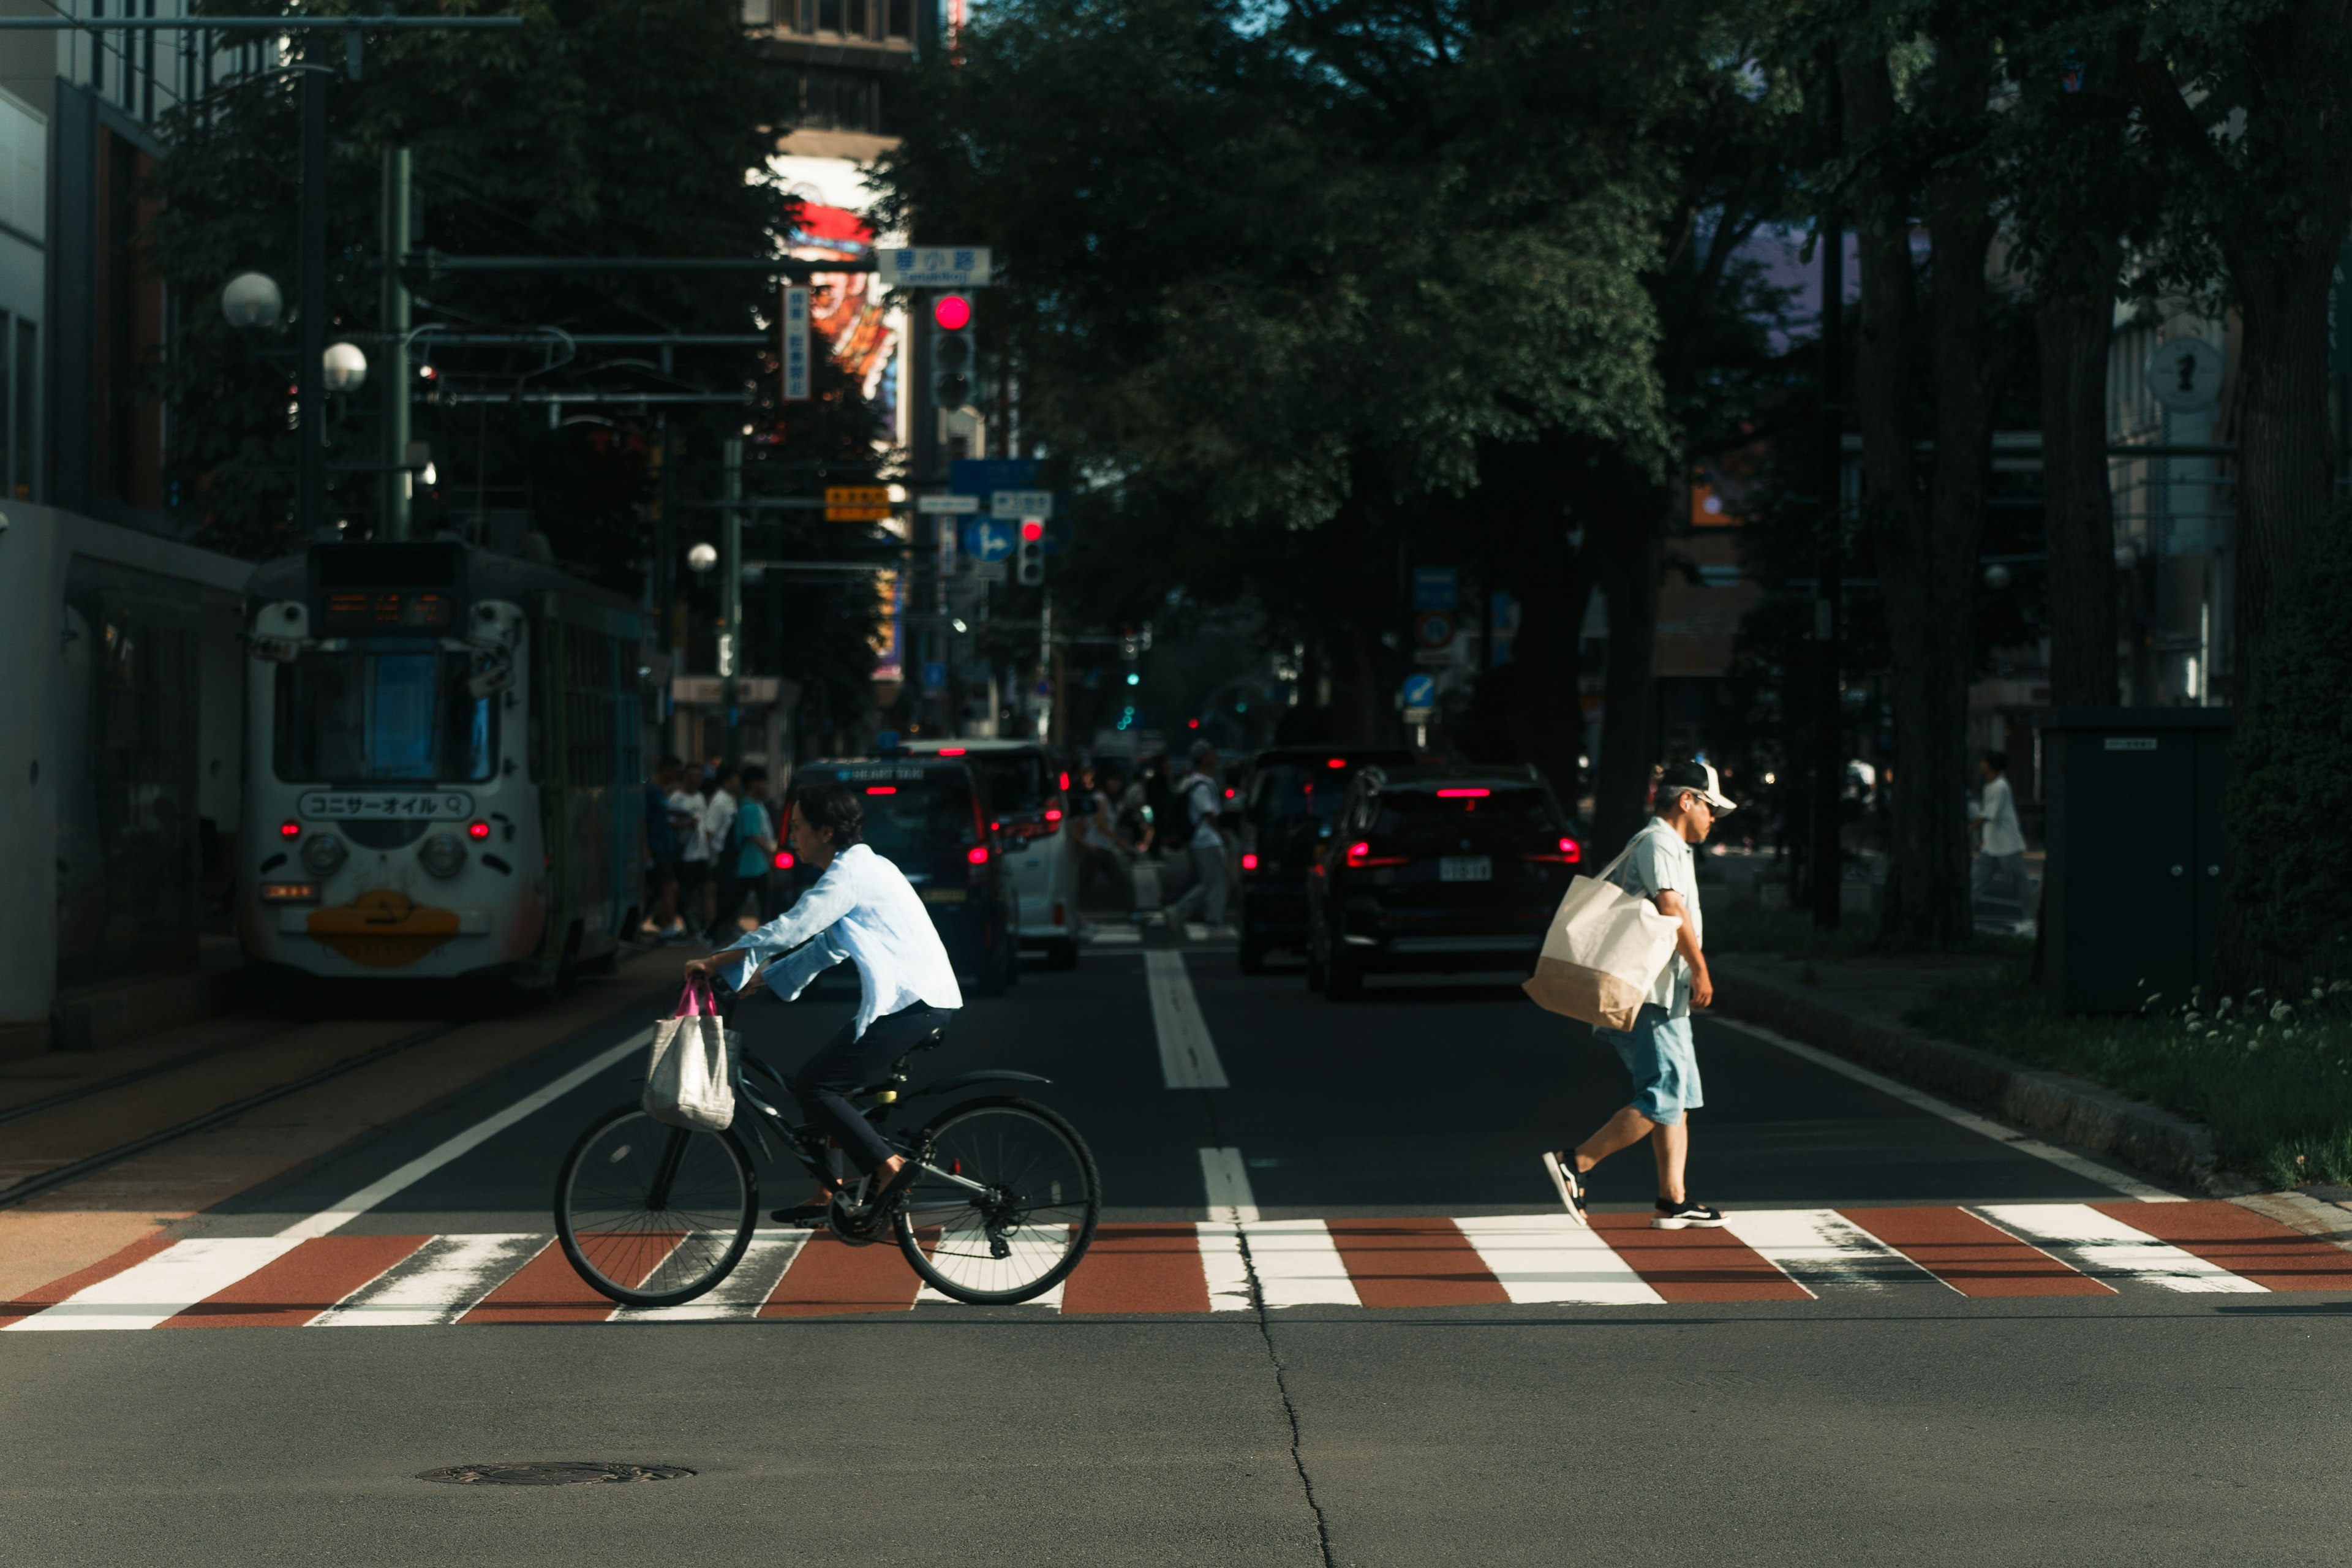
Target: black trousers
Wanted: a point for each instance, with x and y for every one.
(849, 1061)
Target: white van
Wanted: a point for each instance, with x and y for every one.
(1028, 799)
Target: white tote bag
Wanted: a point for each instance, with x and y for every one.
(1603, 953)
(690, 1081)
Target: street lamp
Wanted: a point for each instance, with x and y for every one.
(702, 557)
(346, 367)
(252, 299)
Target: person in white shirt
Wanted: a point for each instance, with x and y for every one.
(1999, 871)
(1658, 1052)
(685, 806)
(863, 910)
(1203, 800)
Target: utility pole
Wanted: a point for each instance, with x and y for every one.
(1046, 667)
(731, 603)
(1828, 764)
(399, 482)
(309, 383)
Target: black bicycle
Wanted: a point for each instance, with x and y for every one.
(1003, 1207)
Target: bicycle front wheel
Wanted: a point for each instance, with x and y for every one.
(651, 1214)
(1011, 1207)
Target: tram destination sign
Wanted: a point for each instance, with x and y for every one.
(386, 805)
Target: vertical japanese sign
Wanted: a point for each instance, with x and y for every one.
(795, 354)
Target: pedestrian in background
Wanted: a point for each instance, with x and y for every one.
(727, 889)
(1102, 850)
(1658, 1051)
(755, 833)
(1999, 871)
(686, 809)
(661, 851)
(1203, 800)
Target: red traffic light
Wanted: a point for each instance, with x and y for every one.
(1032, 529)
(953, 311)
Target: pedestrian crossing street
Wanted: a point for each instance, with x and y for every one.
(1775, 1255)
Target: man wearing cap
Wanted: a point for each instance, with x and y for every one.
(1657, 1051)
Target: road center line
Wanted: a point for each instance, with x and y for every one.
(1231, 1201)
(1187, 1056)
(1919, 1098)
(480, 1132)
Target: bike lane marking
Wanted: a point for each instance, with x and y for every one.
(1187, 1056)
(480, 1132)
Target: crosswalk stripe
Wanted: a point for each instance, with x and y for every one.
(1821, 1248)
(1418, 1262)
(1696, 1265)
(2008, 1250)
(161, 1286)
(290, 1291)
(1974, 1258)
(1541, 1257)
(1187, 1056)
(1296, 1264)
(2113, 1250)
(438, 1283)
(2243, 1242)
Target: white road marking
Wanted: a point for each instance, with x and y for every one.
(1223, 1267)
(359, 1203)
(1298, 1265)
(1115, 936)
(1227, 1180)
(161, 1287)
(440, 1282)
(2110, 1249)
(739, 1296)
(1919, 1098)
(1550, 1257)
(1188, 1057)
(1821, 1247)
(1194, 930)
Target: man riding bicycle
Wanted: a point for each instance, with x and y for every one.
(863, 910)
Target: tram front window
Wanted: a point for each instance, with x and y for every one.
(389, 710)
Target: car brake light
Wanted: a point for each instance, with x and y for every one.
(951, 750)
(783, 859)
(977, 854)
(1065, 783)
(1052, 815)
(881, 789)
(1360, 854)
(1335, 763)
(1570, 853)
(1249, 862)
(1464, 793)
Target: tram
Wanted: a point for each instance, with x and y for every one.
(443, 768)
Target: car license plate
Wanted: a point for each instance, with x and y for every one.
(1466, 869)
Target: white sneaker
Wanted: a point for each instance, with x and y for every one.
(1686, 1215)
(1562, 1169)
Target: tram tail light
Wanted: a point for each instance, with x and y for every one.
(289, 892)
(478, 830)
(289, 831)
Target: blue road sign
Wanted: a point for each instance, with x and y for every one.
(1421, 691)
(989, 539)
(1434, 587)
(984, 477)
(935, 676)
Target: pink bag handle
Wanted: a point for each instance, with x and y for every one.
(696, 1000)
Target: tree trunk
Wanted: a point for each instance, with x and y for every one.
(2285, 458)
(1548, 713)
(2078, 509)
(1630, 556)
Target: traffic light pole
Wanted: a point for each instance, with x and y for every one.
(1828, 855)
(398, 500)
(310, 372)
(731, 604)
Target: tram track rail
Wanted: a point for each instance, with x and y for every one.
(140, 1075)
(73, 1170)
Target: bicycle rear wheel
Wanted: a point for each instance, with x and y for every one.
(1016, 1210)
(651, 1214)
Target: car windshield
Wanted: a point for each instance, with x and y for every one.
(1016, 780)
(1286, 790)
(386, 710)
(909, 820)
(1454, 809)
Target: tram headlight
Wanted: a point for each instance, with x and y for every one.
(442, 855)
(323, 854)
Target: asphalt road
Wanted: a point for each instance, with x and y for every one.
(1889, 1419)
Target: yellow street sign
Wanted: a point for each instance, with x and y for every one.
(857, 503)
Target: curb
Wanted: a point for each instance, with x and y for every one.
(2063, 1108)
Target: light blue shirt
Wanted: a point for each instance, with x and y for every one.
(863, 909)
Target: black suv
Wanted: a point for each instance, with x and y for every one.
(1294, 797)
(929, 817)
(1448, 867)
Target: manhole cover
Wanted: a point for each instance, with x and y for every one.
(553, 1473)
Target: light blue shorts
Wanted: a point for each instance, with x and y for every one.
(1659, 1054)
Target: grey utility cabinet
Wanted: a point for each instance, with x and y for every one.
(2132, 896)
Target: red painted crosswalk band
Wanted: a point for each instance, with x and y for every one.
(1167, 1268)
